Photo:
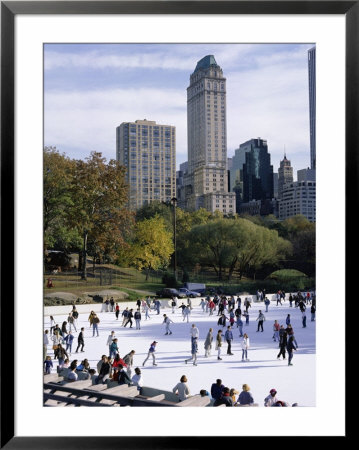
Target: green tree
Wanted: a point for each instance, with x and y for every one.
(152, 245)
(99, 213)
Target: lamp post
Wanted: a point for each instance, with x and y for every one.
(174, 202)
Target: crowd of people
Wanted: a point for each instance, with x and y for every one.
(230, 313)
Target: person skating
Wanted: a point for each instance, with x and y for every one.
(128, 359)
(173, 304)
(46, 343)
(124, 315)
(276, 328)
(80, 340)
(312, 312)
(208, 343)
(245, 347)
(246, 315)
(167, 321)
(129, 318)
(151, 352)
(304, 319)
(137, 317)
(267, 303)
(228, 335)
(202, 305)
(186, 313)
(219, 343)
(240, 326)
(222, 320)
(194, 351)
(71, 322)
(271, 398)
(69, 339)
(282, 342)
(95, 322)
(290, 348)
(261, 318)
(287, 320)
(194, 332)
(110, 338)
(117, 311)
(114, 348)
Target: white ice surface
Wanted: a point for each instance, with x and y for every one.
(293, 383)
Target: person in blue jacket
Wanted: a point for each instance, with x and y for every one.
(69, 339)
(217, 389)
(290, 348)
(151, 352)
(245, 397)
(228, 335)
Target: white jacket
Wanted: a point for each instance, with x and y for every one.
(110, 339)
(269, 401)
(245, 343)
(194, 332)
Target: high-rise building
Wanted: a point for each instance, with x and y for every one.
(206, 181)
(312, 108)
(306, 174)
(298, 198)
(285, 174)
(148, 151)
(257, 171)
(275, 184)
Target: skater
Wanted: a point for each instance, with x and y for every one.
(222, 320)
(246, 315)
(90, 318)
(247, 304)
(124, 315)
(151, 352)
(304, 319)
(64, 329)
(80, 340)
(290, 348)
(129, 362)
(260, 319)
(110, 339)
(137, 317)
(194, 332)
(95, 322)
(267, 303)
(46, 343)
(167, 321)
(282, 342)
(229, 338)
(69, 339)
(186, 313)
(183, 307)
(181, 389)
(245, 397)
(112, 304)
(117, 311)
(61, 352)
(208, 343)
(173, 304)
(245, 347)
(189, 303)
(271, 398)
(219, 343)
(211, 306)
(290, 332)
(202, 304)
(287, 320)
(157, 306)
(114, 348)
(312, 312)
(290, 300)
(276, 328)
(129, 318)
(194, 351)
(240, 326)
(231, 317)
(147, 309)
(71, 322)
(52, 325)
(279, 300)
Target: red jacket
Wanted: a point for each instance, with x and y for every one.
(117, 363)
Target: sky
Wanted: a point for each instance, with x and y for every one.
(90, 89)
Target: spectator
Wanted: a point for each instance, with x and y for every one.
(123, 377)
(46, 343)
(245, 397)
(181, 389)
(128, 359)
(271, 398)
(226, 399)
(104, 372)
(137, 379)
(217, 389)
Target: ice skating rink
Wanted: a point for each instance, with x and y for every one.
(263, 372)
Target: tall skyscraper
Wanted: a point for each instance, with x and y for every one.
(285, 175)
(312, 97)
(206, 182)
(148, 151)
(257, 171)
(298, 198)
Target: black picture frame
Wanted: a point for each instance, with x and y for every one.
(9, 10)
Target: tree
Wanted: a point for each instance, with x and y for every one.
(58, 173)
(99, 211)
(152, 245)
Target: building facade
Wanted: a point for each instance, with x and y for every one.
(312, 106)
(285, 175)
(306, 175)
(298, 198)
(206, 180)
(148, 151)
